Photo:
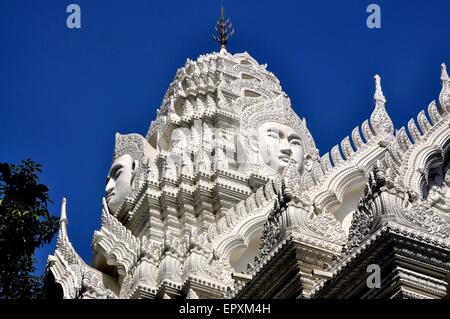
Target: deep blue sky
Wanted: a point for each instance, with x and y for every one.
(64, 93)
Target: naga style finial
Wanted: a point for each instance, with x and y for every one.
(225, 30)
(63, 219)
(444, 96)
(378, 96)
(444, 74)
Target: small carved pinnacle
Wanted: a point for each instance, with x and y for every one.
(378, 90)
(444, 75)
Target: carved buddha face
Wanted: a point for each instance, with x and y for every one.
(279, 143)
(119, 183)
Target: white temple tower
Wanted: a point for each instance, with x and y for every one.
(227, 186)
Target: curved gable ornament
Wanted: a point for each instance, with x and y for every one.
(346, 165)
(428, 149)
(236, 232)
(76, 278)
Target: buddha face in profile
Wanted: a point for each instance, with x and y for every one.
(119, 181)
(278, 144)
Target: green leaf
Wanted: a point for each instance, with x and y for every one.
(25, 224)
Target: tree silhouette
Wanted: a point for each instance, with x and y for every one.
(25, 224)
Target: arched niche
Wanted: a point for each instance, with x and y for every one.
(245, 76)
(165, 139)
(242, 256)
(351, 197)
(250, 93)
(101, 264)
(178, 107)
(245, 62)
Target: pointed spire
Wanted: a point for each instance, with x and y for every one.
(444, 74)
(378, 96)
(380, 122)
(225, 30)
(63, 219)
(444, 96)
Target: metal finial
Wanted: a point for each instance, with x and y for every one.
(225, 30)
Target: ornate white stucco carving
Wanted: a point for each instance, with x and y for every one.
(199, 191)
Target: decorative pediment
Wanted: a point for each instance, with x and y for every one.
(348, 164)
(385, 204)
(412, 160)
(116, 243)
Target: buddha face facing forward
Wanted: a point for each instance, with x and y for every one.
(119, 183)
(278, 144)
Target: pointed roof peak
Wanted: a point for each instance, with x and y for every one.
(444, 74)
(63, 211)
(378, 96)
(63, 220)
(380, 121)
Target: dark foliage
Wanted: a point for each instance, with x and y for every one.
(25, 224)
